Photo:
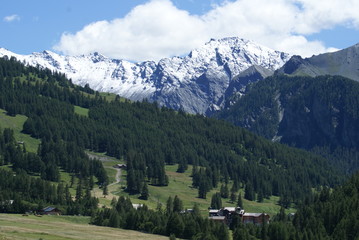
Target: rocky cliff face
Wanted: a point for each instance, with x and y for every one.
(192, 83)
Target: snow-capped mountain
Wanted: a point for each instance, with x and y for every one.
(193, 83)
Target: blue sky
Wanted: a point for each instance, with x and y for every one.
(152, 29)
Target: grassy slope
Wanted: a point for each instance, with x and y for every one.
(82, 111)
(16, 124)
(180, 184)
(13, 226)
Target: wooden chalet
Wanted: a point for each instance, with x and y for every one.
(226, 215)
(255, 218)
(50, 211)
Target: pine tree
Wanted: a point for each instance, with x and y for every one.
(240, 202)
(114, 220)
(169, 205)
(216, 201)
(79, 191)
(249, 192)
(222, 233)
(105, 190)
(144, 192)
(175, 225)
(177, 204)
(260, 197)
(225, 191)
(91, 182)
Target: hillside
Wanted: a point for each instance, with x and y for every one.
(336, 211)
(156, 144)
(147, 136)
(320, 114)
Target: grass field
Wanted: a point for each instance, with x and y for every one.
(82, 111)
(16, 124)
(180, 184)
(14, 226)
(111, 97)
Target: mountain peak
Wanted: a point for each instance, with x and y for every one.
(192, 83)
(232, 40)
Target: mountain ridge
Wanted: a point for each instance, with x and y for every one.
(343, 62)
(191, 83)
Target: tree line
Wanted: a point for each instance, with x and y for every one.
(22, 191)
(149, 136)
(169, 221)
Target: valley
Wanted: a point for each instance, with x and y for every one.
(180, 184)
(139, 165)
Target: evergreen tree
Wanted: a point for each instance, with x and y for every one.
(114, 220)
(169, 205)
(104, 190)
(175, 225)
(144, 192)
(177, 204)
(203, 189)
(239, 201)
(79, 190)
(260, 197)
(216, 201)
(249, 192)
(224, 191)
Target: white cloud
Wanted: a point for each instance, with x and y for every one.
(158, 29)
(149, 31)
(12, 18)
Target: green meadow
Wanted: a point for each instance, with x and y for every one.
(19, 227)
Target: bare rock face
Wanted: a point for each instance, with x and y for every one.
(192, 83)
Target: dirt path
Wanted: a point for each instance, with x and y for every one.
(107, 159)
(98, 191)
(118, 176)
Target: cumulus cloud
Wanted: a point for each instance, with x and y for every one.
(12, 18)
(159, 29)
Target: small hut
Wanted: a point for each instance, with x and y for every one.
(50, 211)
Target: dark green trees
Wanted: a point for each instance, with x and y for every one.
(172, 222)
(148, 137)
(144, 192)
(239, 201)
(216, 201)
(249, 192)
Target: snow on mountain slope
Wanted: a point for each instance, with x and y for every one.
(192, 83)
(103, 74)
